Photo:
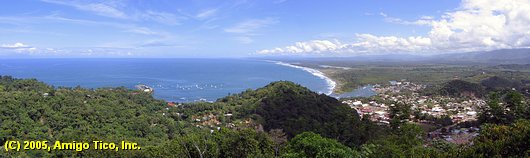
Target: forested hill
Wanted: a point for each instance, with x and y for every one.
(76, 113)
(32, 110)
(459, 88)
(295, 109)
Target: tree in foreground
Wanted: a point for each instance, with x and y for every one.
(309, 144)
(502, 141)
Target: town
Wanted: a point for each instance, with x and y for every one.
(440, 113)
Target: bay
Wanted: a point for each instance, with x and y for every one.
(179, 80)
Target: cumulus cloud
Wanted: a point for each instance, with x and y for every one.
(314, 46)
(475, 25)
(14, 46)
(18, 47)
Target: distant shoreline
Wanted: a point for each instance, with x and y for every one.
(330, 82)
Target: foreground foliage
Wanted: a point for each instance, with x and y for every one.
(286, 120)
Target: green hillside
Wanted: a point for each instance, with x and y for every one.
(296, 109)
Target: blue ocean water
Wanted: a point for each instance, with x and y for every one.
(179, 80)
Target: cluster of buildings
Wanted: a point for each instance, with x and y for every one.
(457, 109)
(399, 86)
(377, 111)
(378, 107)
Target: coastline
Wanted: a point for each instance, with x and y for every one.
(331, 83)
(330, 72)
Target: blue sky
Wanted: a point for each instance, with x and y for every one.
(243, 28)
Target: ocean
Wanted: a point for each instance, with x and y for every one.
(178, 80)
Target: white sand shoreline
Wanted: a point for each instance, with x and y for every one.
(331, 84)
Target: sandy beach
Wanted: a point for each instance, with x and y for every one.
(332, 84)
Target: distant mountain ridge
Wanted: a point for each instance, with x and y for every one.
(494, 57)
(502, 56)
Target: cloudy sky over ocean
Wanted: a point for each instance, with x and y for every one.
(242, 28)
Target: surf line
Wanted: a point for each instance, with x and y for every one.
(331, 84)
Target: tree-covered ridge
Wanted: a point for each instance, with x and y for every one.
(500, 83)
(31, 110)
(296, 109)
(459, 88)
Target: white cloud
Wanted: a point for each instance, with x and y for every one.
(365, 44)
(475, 25)
(389, 44)
(314, 46)
(424, 20)
(14, 46)
(18, 47)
